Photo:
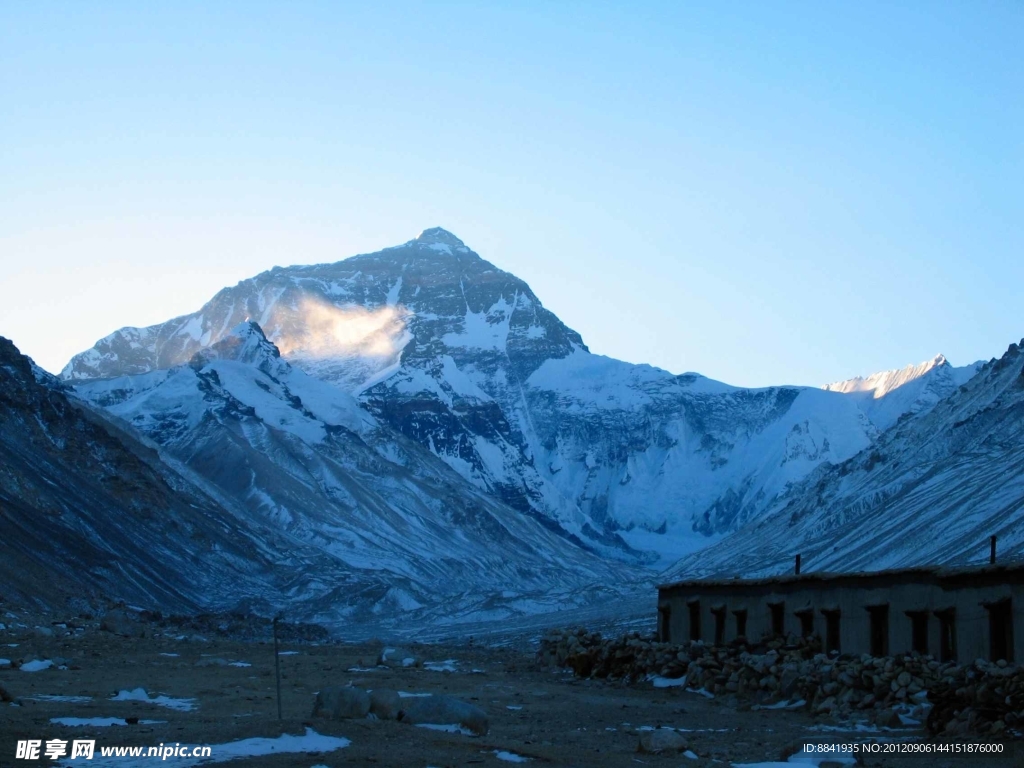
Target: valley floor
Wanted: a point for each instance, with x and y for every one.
(545, 716)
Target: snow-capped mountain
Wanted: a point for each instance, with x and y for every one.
(88, 510)
(930, 491)
(395, 529)
(462, 358)
(888, 395)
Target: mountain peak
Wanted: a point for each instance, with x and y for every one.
(245, 343)
(439, 236)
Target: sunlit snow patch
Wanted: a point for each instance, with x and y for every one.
(139, 694)
(288, 653)
(170, 655)
(239, 664)
(407, 695)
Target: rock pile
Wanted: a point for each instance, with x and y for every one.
(893, 691)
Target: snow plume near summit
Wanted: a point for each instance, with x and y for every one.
(355, 343)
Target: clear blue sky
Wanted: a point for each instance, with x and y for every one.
(761, 192)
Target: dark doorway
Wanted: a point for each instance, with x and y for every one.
(719, 614)
(694, 619)
(1000, 630)
(665, 623)
(741, 622)
(947, 634)
(831, 630)
(806, 622)
(878, 616)
(918, 631)
(777, 617)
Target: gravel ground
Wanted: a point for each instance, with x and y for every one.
(545, 716)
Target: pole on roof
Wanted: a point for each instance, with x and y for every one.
(797, 569)
(992, 550)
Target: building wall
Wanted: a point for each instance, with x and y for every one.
(972, 619)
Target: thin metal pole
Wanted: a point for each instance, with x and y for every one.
(277, 670)
(797, 566)
(992, 550)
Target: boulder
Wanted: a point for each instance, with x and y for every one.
(661, 740)
(888, 718)
(385, 704)
(117, 622)
(338, 702)
(444, 710)
(5, 695)
(787, 683)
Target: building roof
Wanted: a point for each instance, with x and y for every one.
(1011, 572)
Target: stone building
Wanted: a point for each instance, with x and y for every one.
(953, 614)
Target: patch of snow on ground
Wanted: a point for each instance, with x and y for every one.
(288, 653)
(65, 699)
(36, 666)
(170, 655)
(448, 665)
(407, 695)
(310, 742)
(802, 758)
(510, 757)
(452, 728)
(668, 682)
(785, 704)
(98, 722)
(239, 664)
(139, 694)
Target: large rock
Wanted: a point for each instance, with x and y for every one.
(399, 657)
(117, 622)
(341, 703)
(385, 704)
(444, 710)
(661, 740)
(5, 695)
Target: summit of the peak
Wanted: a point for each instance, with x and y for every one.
(248, 328)
(245, 343)
(438, 236)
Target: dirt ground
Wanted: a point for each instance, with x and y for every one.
(535, 713)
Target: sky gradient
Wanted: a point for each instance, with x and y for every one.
(764, 193)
